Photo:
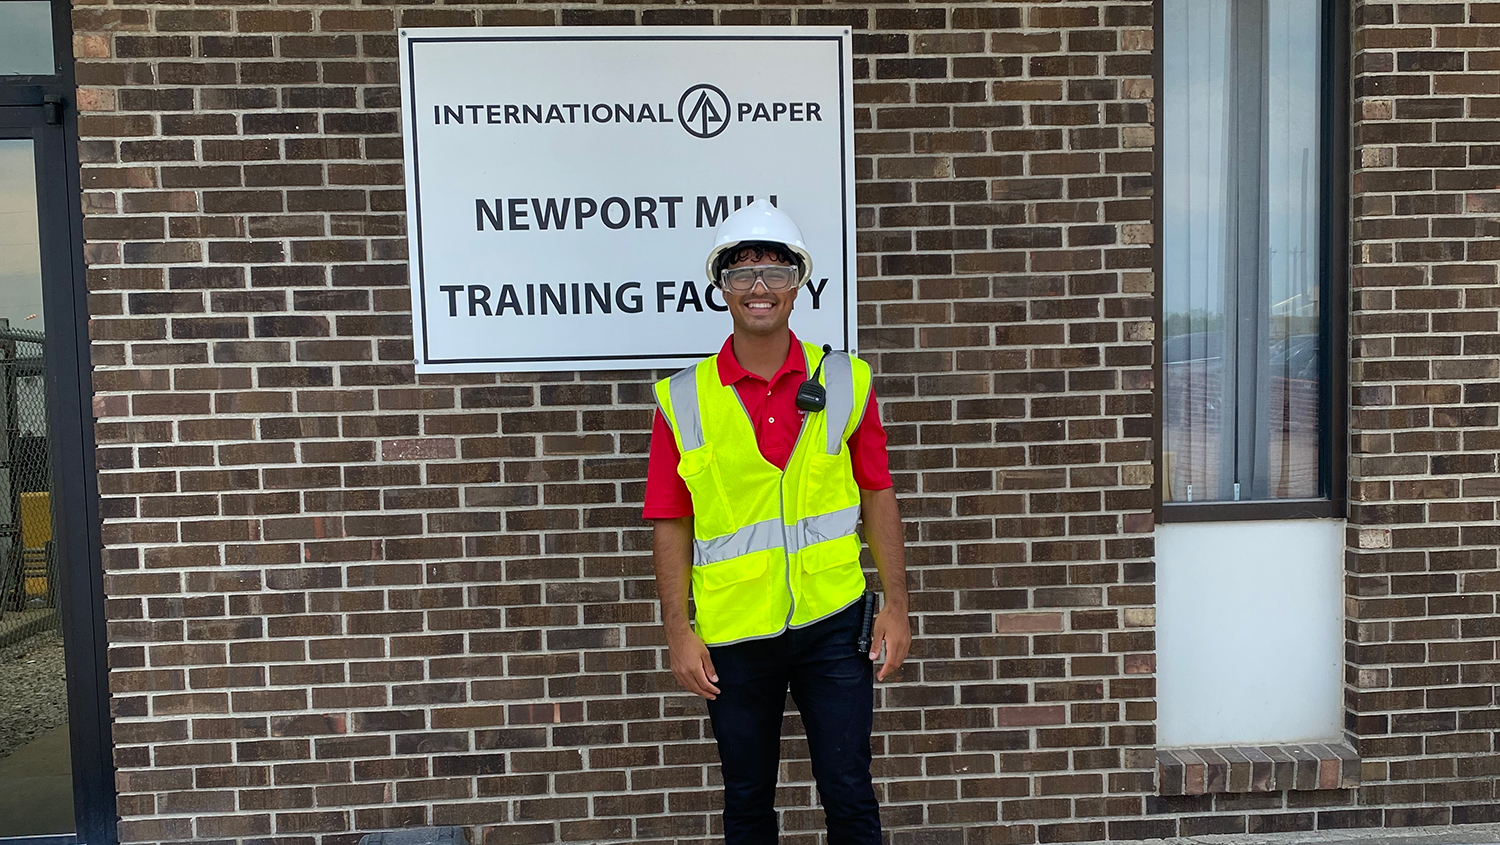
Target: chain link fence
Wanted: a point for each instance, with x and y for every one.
(28, 560)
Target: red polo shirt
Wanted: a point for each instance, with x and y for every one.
(777, 420)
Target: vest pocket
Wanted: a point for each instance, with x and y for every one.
(830, 480)
(718, 576)
(827, 555)
(700, 472)
(733, 599)
(831, 578)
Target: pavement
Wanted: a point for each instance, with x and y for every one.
(1474, 834)
(33, 690)
(38, 793)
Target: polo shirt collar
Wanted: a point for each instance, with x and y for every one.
(730, 370)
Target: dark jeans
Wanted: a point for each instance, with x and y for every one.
(834, 687)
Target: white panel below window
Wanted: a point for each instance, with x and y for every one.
(1249, 632)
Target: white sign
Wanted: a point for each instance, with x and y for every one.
(563, 186)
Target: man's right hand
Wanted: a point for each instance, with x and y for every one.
(691, 665)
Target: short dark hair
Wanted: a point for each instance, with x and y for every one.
(756, 250)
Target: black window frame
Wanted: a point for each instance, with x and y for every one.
(1334, 263)
(47, 106)
(62, 54)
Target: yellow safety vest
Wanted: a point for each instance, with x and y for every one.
(772, 549)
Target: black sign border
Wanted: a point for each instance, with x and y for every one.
(416, 213)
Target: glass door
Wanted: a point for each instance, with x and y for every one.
(35, 747)
(54, 749)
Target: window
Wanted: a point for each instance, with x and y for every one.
(26, 38)
(1248, 350)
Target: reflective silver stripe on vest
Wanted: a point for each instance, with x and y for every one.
(755, 537)
(766, 535)
(825, 526)
(838, 373)
(683, 388)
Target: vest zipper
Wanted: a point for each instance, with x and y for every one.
(781, 498)
(785, 544)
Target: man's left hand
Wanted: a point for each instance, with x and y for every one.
(893, 630)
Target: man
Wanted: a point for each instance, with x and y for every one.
(754, 492)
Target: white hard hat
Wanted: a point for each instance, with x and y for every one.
(759, 221)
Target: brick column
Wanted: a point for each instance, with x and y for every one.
(1425, 385)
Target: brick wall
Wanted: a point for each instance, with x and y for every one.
(1425, 379)
(343, 598)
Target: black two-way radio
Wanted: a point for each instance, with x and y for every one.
(811, 396)
(867, 625)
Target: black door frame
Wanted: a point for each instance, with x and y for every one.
(43, 108)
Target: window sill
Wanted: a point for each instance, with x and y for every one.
(1250, 510)
(1256, 768)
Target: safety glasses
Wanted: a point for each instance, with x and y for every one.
(775, 277)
